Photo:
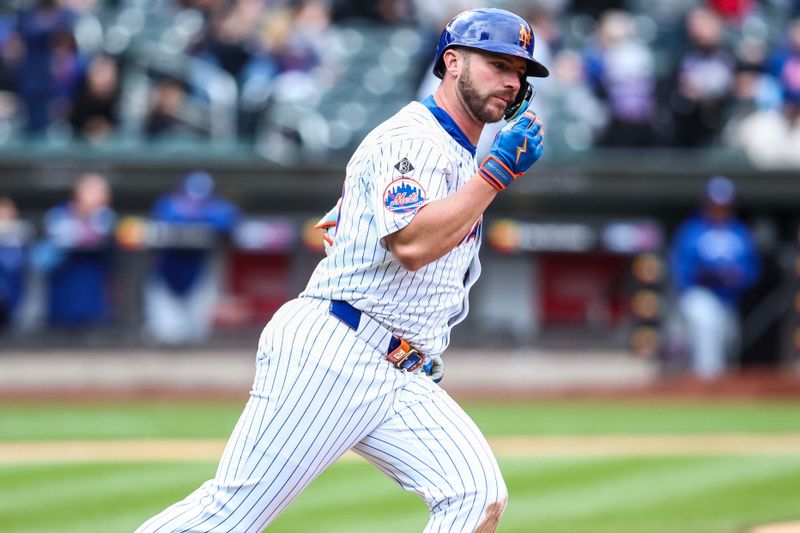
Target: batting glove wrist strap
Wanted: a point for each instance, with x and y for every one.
(496, 173)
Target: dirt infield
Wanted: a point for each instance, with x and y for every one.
(787, 527)
(505, 447)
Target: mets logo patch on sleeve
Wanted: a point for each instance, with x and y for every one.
(403, 195)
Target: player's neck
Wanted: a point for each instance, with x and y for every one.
(449, 101)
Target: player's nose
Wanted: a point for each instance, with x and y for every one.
(512, 81)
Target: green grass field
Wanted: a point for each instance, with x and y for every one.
(705, 494)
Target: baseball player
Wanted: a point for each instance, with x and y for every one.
(351, 363)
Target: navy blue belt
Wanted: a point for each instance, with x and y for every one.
(399, 353)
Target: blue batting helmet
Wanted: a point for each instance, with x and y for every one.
(492, 30)
(720, 191)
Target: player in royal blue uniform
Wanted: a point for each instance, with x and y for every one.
(714, 260)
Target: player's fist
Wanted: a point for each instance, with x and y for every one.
(516, 148)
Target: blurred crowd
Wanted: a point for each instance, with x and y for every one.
(687, 74)
(70, 268)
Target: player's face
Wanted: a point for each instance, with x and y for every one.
(489, 83)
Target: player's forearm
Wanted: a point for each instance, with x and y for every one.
(439, 226)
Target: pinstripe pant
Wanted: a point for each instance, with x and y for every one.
(321, 389)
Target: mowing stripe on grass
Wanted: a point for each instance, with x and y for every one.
(649, 485)
(174, 450)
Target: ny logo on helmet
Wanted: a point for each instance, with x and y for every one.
(524, 36)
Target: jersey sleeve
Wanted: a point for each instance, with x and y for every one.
(407, 175)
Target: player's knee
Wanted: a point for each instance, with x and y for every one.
(491, 516)
(494, 504)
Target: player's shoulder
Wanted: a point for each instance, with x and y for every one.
(412, 130)
(413, 123)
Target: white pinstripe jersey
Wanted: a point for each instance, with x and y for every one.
(406, 162)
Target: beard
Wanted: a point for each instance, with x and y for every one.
(477, 103)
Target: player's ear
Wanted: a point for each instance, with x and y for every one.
(452, 60)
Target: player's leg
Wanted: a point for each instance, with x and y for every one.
(317, 391)
(432, 448)
(201, 302)
(164, 314)
(705, 318)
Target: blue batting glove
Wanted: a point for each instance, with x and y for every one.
(516, 148)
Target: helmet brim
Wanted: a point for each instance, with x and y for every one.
(535, 69)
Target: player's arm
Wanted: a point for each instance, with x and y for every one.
(439, 226)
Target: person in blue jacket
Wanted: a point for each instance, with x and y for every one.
(714, 260)
(77, 255)
(182, 289)
(51, 64)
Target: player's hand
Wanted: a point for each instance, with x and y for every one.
(434, 368)
(516, 148)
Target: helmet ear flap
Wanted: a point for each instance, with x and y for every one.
(521, 102)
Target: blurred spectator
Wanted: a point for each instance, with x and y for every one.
(759, 96)
(621, 70)
(771, 137)
(373, 11)
(10, 53)
(785, 63)
(753, 88)
(94, 113)
(288, 52)
(703, 82)
(77, 255)
(733, 11)
(12, 261)
(713, 260)
(302, 44)
(229, 28)
(166, 108)
(182, 291)
(582, 116)
(757, 100)
(752, 82)
(50, 65)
